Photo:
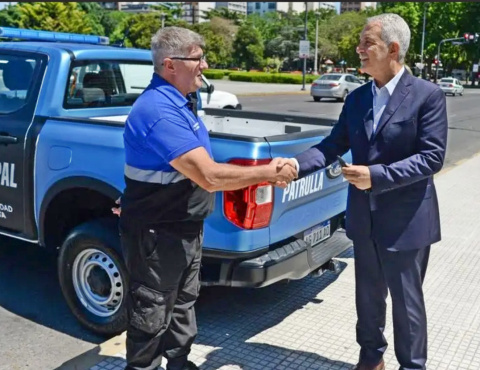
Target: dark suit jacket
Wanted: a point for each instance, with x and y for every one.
(407, 149)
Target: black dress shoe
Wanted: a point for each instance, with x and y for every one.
(191, 366)
(188, 366)
(363, 366)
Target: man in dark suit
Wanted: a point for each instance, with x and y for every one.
(396, 128)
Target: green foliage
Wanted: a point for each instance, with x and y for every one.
(224, 13)
(248, 46)
(283, 78)
(213, 74)
(219, 36)
(51, 16)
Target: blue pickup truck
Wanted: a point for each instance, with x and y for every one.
(64, 99)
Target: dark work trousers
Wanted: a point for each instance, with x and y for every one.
(378, 271)
(163, 266)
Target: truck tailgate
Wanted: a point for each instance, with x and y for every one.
(305, 206)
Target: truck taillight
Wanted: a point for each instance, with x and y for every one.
(250, 207)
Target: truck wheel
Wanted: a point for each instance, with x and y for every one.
(92, 276)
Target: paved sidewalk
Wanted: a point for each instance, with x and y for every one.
(310, 324)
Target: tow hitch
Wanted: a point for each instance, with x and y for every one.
(332, 265)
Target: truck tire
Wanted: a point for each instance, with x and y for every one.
(92, 276)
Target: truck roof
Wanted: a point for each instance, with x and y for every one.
(80, 51)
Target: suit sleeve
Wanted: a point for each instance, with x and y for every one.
(431, 145)
(324, 153)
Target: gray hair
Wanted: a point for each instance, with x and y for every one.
(394, 29)
(173, 42)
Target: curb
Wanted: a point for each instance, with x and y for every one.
(99, 353)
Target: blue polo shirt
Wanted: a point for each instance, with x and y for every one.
(160, 127)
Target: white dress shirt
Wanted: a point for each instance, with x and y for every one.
(382, 96)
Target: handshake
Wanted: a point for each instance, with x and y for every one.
(282, 172)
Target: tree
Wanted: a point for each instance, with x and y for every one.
(94, 13)
(111, 21)
(340, 37)
(219, 35)
(224, 13)
(54, 16)
(248, 46)
(9, 16)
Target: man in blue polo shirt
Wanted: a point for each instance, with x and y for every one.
(170, 178)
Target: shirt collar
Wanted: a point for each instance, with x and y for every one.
(159, 82)
(390, 85)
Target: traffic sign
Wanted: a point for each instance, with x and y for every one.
(304, 49)
(419, 65)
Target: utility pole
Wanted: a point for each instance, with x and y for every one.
(438, 54)
(423, 39)
(315, 68)
(162, 15)
(305, 58)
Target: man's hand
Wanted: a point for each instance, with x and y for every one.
(117, 210)
(285, 172)
(358, 176)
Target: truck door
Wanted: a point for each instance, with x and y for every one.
(21, 76)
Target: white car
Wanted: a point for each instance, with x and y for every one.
(212, 98)
(334, 85)
(450, 85)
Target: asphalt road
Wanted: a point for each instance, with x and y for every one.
(463, 117)
(38, 331)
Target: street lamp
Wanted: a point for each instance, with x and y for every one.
(315, 67)
(438, 54)
(423, 41)
(162, 15)
(305, 38)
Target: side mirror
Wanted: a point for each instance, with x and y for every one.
(210, 89)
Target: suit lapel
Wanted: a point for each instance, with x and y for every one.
(399, 94)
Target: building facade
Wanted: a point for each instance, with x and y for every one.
(265, 7)
(325, 5)
(239, 7)
(355, 6)
(193, 12)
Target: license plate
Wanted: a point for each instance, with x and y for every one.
(317, 233)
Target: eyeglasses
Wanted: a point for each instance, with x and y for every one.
(198, 59)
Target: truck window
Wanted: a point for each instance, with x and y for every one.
(16, 74)
(106, 83)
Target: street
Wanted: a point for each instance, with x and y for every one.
(463, 117)
(40, 332)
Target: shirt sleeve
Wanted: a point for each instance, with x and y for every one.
(171, 137)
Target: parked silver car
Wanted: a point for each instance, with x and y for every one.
(334, 85)
(450, 85)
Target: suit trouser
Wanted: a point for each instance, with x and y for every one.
(378, 271)
(163, 267)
